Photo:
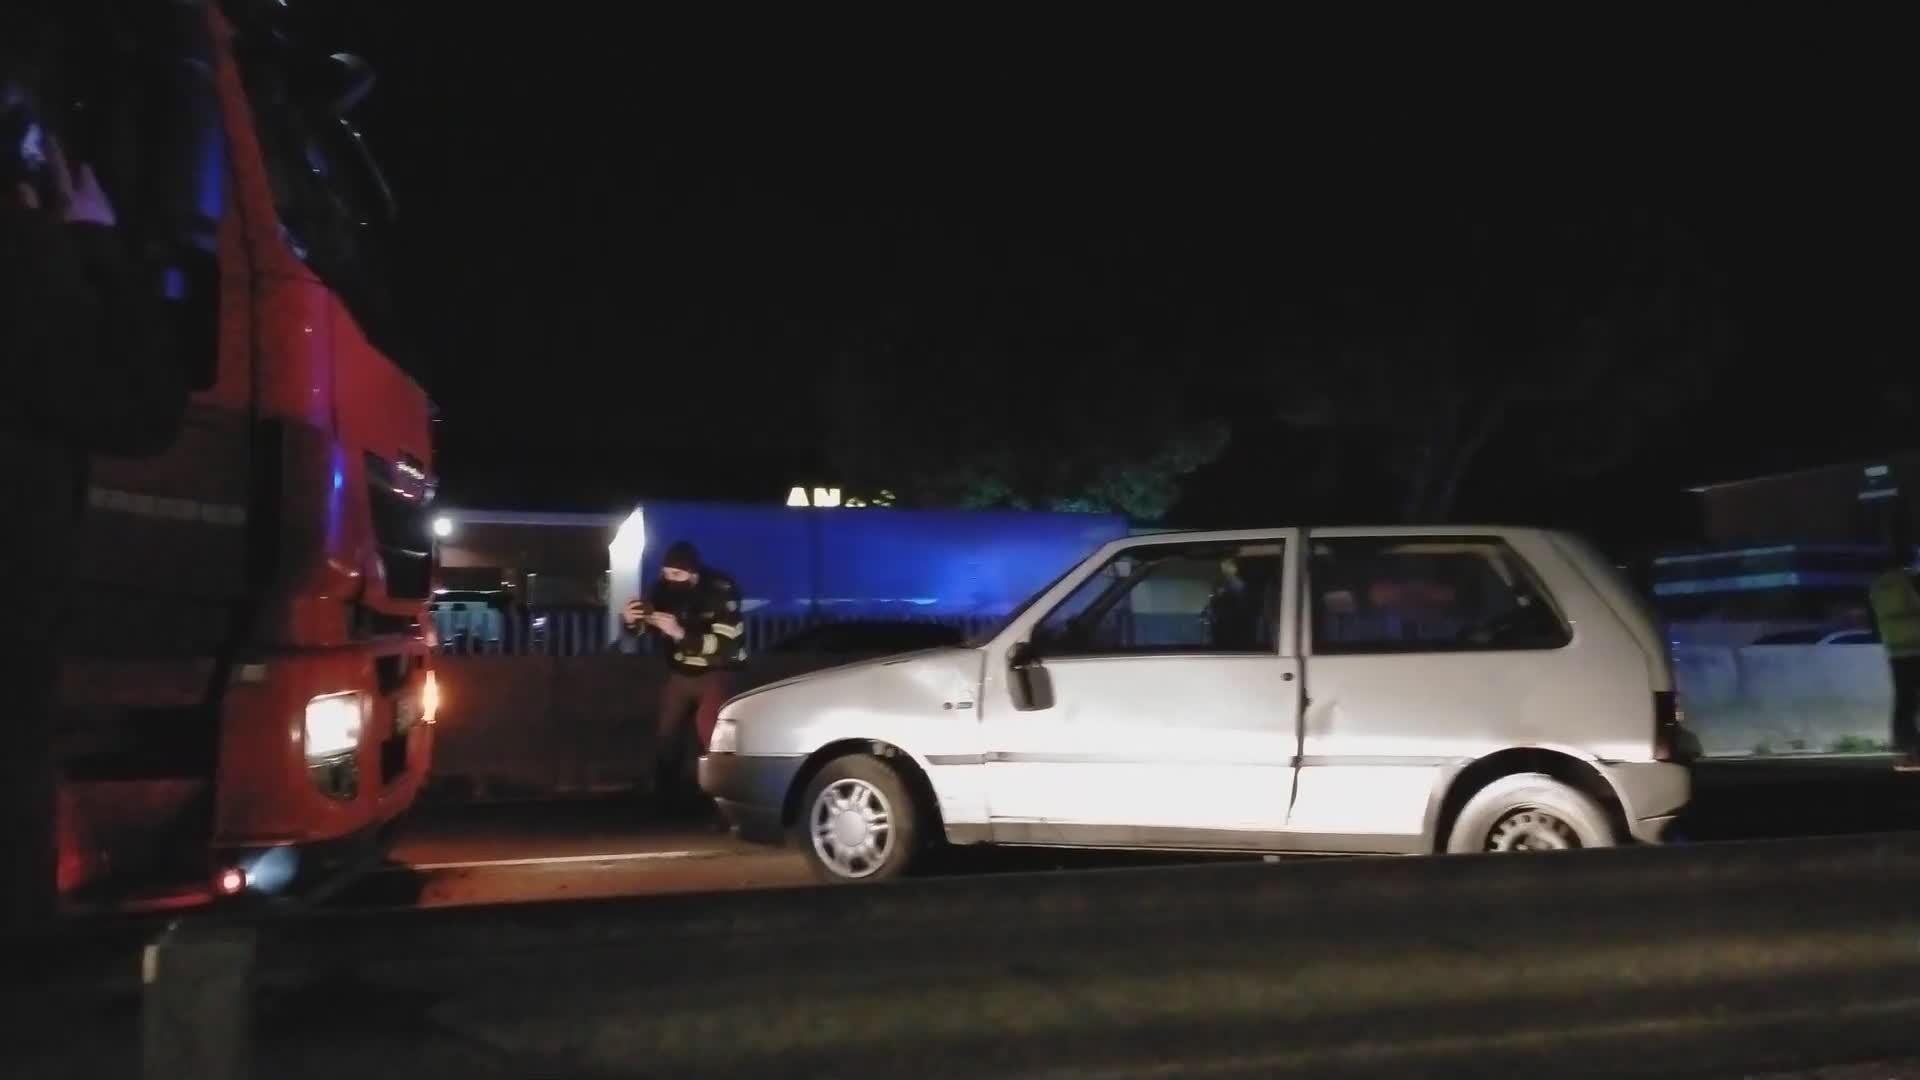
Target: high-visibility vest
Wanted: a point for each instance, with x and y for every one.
(1896, 607)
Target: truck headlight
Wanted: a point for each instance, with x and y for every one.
(726, 737)
(334, 723)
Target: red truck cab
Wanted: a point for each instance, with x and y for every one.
(248, 699)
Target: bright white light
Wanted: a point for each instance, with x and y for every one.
(333, 724)
(623, 567)
(443, 527)
(826, 497)
(797, 497)
(630, 540)
(726, 738)
(271, 870)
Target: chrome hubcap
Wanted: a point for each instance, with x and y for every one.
(1531, 829)
(852, 828)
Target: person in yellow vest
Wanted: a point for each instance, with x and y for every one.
(1895, 603)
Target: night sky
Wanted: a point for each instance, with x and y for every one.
(607, 229)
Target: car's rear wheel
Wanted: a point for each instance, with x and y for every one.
(858, 822)
(1529, 812)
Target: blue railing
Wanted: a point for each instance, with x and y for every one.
(583, 631)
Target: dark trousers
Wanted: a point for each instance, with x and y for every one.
(689, 707)
(1906, 704)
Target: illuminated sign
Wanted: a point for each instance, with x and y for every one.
(822, 497)
(828, 497)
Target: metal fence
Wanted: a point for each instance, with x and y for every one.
(582, 631)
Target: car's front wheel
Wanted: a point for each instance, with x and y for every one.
(858, 822)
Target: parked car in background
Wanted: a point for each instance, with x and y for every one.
(1338, 691)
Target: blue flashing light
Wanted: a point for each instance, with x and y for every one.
(1757, 582)
(1742, 583)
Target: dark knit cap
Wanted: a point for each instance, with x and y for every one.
(681, 556)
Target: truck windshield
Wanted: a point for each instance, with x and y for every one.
(334, 205)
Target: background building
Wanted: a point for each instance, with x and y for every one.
(1835, 504)
(1789, 553)
(511, 580)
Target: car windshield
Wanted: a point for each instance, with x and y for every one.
(981, 639)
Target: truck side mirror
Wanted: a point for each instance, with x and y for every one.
(351, 79)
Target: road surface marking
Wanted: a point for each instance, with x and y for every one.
(565, 860)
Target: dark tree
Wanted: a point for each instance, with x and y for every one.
(1567, 336)
(991, 430)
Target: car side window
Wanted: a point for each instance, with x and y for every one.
(1428, 594)
(1172, 598)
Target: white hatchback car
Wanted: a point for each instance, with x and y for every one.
(1335, 691)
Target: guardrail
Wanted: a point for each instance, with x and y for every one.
(1760, 700)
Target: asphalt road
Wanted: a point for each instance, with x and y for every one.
(1720, 960)
(690, 954)
(590, 850)
(461, 856)
(541, 852)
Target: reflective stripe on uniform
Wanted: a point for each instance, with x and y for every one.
(1896, 606)
(725, 630)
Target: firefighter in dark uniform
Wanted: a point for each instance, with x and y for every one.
(695, 609)
(1233, 611)
(1895, 604)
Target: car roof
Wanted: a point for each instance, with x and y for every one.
(1203, 535)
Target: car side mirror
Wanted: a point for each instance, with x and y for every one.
(1027, 681)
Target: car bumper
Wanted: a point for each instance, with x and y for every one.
(1652, 794)
(751, 791)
